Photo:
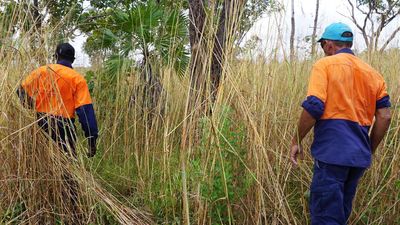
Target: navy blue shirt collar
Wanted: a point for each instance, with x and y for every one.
(65, 63)
(345, 50)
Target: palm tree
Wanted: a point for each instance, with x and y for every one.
(148, 36)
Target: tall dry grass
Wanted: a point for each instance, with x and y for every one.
(38, 181)
(237, 171)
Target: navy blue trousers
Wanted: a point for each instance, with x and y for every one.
(61, 130)
(332, 190)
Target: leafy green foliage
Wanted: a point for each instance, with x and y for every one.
(89, 77)
(104, 4)
(62, 16)
(13, 214)
(383, 11)
(146, 30)
(253, 11)
(117, 66)
(380, 6)
(228, 180)
(7, 24)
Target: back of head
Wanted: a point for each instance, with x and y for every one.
(65, 51)
(340, 33)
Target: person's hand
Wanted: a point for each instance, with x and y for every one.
(92, 148)
(295, 151)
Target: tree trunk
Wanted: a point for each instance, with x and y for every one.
(218, 52)
(204, 91)
(314, 34)
(151, 91)
(227, 23)
(292, 34)
(197, 18)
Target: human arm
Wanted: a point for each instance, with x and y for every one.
(24, 98)
(28, 89)
(313, 110)
(314, 107)
(382, 116)
(87, 118)
(306, 122)
(381, 125)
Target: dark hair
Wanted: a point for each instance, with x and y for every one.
(343, 44)
(65, 51)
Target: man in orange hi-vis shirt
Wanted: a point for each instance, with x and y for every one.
(57, 92)
(344, 95)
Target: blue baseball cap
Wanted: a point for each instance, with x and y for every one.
(337, 32)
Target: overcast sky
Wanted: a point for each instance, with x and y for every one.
(330, 11)
(274, 29)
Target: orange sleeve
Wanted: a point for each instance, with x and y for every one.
(82, 95)
(382, 92)
(318, 82)
(30, 83)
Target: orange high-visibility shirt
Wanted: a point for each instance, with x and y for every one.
(349, 88)
(58, 90)
(343, 95)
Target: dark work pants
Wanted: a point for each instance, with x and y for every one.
(62, 131)
(333, 188)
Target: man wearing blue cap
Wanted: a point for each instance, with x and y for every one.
(344, 95)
